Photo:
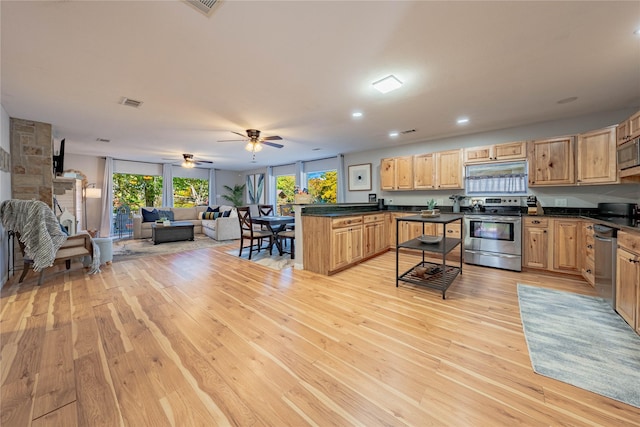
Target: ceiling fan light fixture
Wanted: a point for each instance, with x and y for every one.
(187, 164)
(387, 84)
(253, 146)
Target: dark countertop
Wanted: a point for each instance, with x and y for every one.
(335, 211)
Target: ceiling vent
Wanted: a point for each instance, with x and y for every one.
(131, 102)
(204, 6)
(103, 140)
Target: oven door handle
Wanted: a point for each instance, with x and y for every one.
(494, 218)
(492, 254)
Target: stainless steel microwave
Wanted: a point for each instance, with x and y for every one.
(629, 154)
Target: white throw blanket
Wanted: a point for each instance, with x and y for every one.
(39, 231)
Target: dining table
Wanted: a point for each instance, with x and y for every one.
(276, 224)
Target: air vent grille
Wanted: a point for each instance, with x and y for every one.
(103, 140)
(131, 102)
(204, 6)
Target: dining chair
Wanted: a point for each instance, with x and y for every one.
(288, 235)
(265, 210)
(248, 232)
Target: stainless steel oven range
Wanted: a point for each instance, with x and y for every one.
(493, 233)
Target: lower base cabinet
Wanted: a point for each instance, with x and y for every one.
(334, 244)
(552, 244)
(628, 279)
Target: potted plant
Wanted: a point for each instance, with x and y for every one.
(235, 194)
(431, 210)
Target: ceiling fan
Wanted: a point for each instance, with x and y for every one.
(255, 142)
(190, 162)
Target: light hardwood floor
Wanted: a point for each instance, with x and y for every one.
(204, 338)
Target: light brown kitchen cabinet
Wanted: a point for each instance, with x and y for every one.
(333, 244)
(346, 243)
(440, 170)
(449, 169)
(535, 235)
(628, 278)
(628, 129)
(587, 260)
(565, 245)
(424, 169)
(396, 173)
(374, 234)
(496, 152)
(551, 244)
(596, 157)
(551, 162)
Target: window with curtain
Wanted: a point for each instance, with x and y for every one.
(136, 191)
(503, 178)
(322, 185)
(285, 185)
(188, 192)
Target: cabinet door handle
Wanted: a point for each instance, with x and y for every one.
(449, 231)
(590, 246)
(535, 222)
(589, 270)
(544, 231)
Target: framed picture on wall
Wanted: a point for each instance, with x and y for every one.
(360, 177)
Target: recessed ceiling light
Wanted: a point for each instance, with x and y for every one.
(387, 84)
(463, 120)
(394, 134)
(637, 32)
(568, 100)
(356, 114)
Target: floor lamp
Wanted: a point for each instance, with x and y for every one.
(90, 192)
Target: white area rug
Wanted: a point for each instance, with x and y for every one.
(135, 248)
(581, 341)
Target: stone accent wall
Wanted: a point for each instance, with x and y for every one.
(31, 161)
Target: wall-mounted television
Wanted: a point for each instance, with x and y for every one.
(58, 161)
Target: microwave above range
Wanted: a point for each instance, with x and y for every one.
(629, 154)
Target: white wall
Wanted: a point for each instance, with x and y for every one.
(586, 196)
(5, 192)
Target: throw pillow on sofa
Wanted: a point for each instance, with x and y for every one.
(226, 214)
(150, 216)
(210, 209)
(210, 215)
(166, 214)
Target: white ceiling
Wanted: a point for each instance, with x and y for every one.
(299, 69)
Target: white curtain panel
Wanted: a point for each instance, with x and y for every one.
(106, 219)
(342, 180)
(167, 185)
(213, 200)
(271, 188)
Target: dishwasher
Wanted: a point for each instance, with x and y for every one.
(605, 262)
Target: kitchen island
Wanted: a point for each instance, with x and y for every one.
(433, 275)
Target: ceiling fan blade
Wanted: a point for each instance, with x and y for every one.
(272, 138)
(237, 133)
(204, 161)
(272, 144)
(230, 140)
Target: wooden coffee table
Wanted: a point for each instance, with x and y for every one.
(177, 231)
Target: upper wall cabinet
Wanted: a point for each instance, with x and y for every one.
(496, 153)
(628, 129)
(596, 157)
(396, 173)
(441, 170)
(551, 161)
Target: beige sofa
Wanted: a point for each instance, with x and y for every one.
(227, 228)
